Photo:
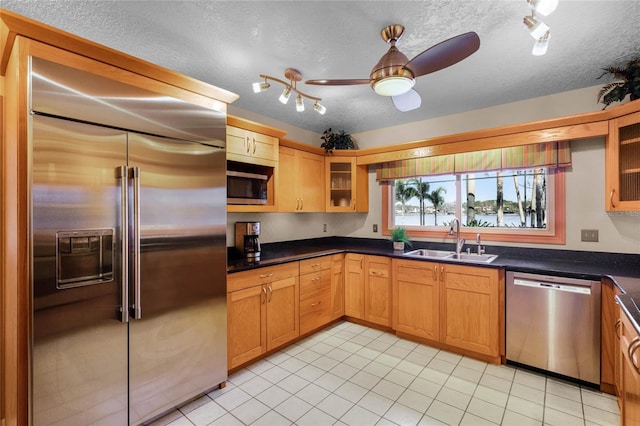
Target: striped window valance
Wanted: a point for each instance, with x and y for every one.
(547, 154)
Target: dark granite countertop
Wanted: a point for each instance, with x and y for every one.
(623, 269)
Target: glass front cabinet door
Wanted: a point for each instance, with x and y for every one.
(347, 185)
(622, 158)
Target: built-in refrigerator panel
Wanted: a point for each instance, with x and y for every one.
(128, 249)
(79, 344)
(176, 328)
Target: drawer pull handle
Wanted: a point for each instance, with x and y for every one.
(633, 347)
(266, 275)
(611, 198)
(313, 305)
(315, 279)
(617, 328)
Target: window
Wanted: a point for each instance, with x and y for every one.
(525, 205)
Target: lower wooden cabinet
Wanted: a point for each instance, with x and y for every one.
(315, 293)
(455, 305)
(610, 338)
(377, 290)
(470, 308)
(629, 372)
(262, 311)
(337, 286)
(368, 288)
(416, 298)
(354, 285)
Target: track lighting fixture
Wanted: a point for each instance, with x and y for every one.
(299, 104)
(538, 29)
(543, 7)
(540, 48)
(293, 76)
(284, 98)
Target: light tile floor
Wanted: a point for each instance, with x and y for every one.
(353, 375)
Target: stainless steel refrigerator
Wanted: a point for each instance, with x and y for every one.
(128, 214)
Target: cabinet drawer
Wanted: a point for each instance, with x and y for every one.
(245, 279)
(315, 308)
(311, 286)
(314, 265)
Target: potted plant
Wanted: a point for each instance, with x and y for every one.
(399, 237)
(342, 140)
(618, 90)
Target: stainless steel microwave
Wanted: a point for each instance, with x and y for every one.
(246, 188)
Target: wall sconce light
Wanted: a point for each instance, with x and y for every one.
(293, 76)
(538, 29)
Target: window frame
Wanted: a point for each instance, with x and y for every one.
(554, 233)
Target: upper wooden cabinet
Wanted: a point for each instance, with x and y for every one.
(347, 185)
(251, 147)
(622, 159)
(301, 184)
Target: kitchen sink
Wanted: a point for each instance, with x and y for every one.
(474, 258)
(432, 254)
(450, 255)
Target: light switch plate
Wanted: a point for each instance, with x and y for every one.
(589, 235)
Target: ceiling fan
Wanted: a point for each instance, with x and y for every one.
(394, 75)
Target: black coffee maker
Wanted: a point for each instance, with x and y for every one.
(248, 239)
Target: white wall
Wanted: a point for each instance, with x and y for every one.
(619, 233)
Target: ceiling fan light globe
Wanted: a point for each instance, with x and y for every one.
(393, 86)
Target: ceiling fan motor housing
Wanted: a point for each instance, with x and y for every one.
(391, 66)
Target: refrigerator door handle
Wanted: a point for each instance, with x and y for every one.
(121, 173)
(134, 174)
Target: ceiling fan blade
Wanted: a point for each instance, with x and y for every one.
(345, 82)
(407, 101)
(444, 54)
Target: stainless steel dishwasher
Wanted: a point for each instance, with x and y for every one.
(553, 324)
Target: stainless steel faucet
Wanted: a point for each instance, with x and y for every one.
(459, 241)
(480, 248)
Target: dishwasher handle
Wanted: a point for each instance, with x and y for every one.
(553, 286)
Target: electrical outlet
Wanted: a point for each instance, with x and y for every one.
(324, 228)
(375, 227)
(589, 235)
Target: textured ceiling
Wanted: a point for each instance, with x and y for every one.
(229, 43)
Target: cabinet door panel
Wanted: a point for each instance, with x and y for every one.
(237, 141)
(263, 146)
(337, 286)
(287, 196)
(246, 325)
(378, 290)
(282, 312)
(471, 316)
(416, 299)
(354, 286)
(310, 180)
